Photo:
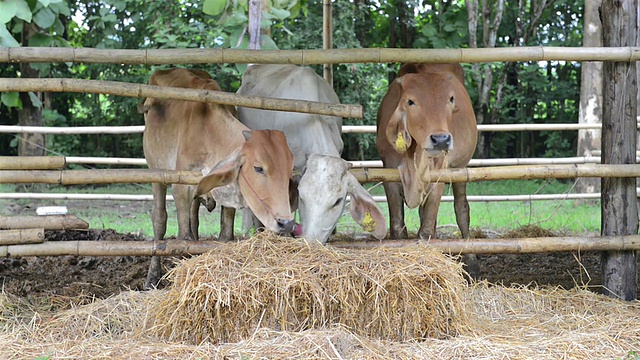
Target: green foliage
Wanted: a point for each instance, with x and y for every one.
(534, 92)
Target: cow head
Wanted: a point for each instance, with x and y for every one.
(421, 129)
(323, 190)
(261, 168)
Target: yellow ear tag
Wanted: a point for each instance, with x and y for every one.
(368, 224)
(401, 145)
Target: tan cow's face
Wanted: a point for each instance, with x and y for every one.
(421, 127)
(262, 168)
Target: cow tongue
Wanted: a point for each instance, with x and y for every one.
(297, 230)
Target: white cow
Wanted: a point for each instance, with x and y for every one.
(325, 181)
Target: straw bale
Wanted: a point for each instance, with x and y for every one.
(289, 285)
(507, 323)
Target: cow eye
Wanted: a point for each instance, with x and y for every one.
(451, 99)
(258, 169)
(410, 102)
(338, 202)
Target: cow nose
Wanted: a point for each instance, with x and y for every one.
(285, 226)
(441, 141)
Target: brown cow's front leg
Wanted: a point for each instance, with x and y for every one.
(183, 200)
(397, 228)
(461, 206)
(194, 218)
(227, 219)
(429, 211)
(159, 219)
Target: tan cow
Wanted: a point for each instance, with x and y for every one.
(242, 168)
(426, 121)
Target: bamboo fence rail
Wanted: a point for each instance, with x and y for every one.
(346, 129)
(32, 162)
(165, 92)
(48, 222)
(452, 246)
(315, 56)
(21, 236)
(148, 197)
(77, 177)
(374, 163)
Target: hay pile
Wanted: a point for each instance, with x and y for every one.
(288, 285)
(513, 323)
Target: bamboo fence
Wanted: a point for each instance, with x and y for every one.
(109, 176)
(21, 236)
(346, 129)
(32, 162)
(453, 246)
(48, 222)
(315, 56)
(165, 92)
(445, 198)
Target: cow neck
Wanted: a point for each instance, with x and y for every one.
(254, 192)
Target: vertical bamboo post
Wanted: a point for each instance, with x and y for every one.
(327, 39)
(619, 202)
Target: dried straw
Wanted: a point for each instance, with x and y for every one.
(508, 323)
(289, 285)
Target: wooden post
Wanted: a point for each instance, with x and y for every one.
(255, 18)
(619, 202)
(327, 39)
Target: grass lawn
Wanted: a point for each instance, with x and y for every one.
(570, 216)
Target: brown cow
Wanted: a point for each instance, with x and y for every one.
(426, 121)
(242, 168)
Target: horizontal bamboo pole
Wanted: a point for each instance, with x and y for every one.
(452, 246)
(109, 176)
(507, 172)
(364, 163)
(72, 129)
(165, 92)
(315, 56)
(32, 162)
(21, 236)
(102, 176)
(346, 129)
(510, 246)
(142, 197)
(48, 222)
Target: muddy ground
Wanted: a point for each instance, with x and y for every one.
(101, 277)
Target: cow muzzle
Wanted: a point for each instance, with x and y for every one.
(440, 142)
(286, 226)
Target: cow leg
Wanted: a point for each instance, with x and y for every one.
(194, 218)
(397, 228)
(183, 199)
(429, 212)
(461, 206)
(227, 219)
(159, 230)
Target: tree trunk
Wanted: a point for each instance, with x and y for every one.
(30, 115)
(590, 94)
(619, 199)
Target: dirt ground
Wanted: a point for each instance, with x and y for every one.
(101, 277)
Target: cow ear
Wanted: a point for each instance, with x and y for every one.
(397, 131)
(247, 134)
(224, 173)
(364, 209)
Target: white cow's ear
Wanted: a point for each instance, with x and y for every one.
(364, 209)
(224, 173)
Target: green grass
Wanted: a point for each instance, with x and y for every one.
(568, 216)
